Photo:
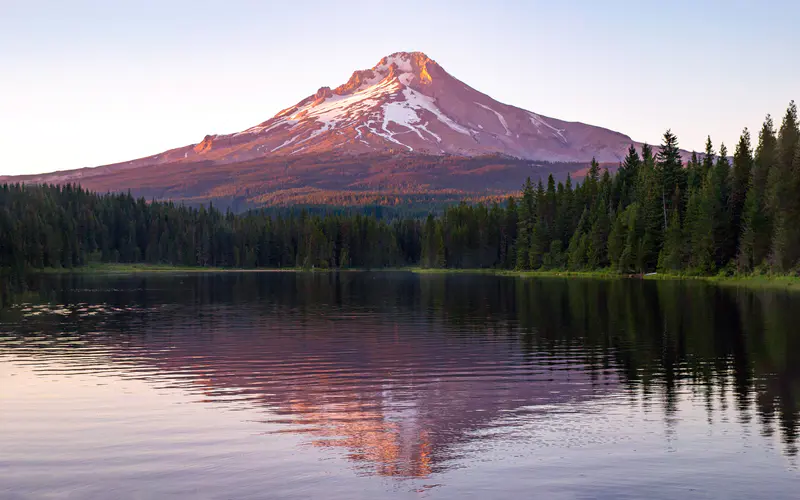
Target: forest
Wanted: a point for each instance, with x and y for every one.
(657, 212)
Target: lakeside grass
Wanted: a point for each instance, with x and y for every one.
(760, 280)
(784, 281)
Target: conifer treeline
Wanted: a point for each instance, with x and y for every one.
(653, 213)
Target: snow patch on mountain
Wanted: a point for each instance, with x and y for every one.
(538, 121)
(406, 113)
(499, 117)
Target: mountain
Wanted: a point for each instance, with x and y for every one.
(403, 126)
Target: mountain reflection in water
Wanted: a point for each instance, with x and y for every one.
(402, 373)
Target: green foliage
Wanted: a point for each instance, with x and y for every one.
(671, 258)
(756, 226)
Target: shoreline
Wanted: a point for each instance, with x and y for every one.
(753, 281)
(761, 280)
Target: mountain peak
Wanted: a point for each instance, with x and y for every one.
(407, 102)
(407, 67)
(415, 63)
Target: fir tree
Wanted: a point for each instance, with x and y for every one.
(756, 239)
(670, 173)
(627, 175)
(671, 256)
(616, 237)
(784, 194)
(694, 173)
(597, 249)
(700, 227)
(631, 258)
(576, 253)
(740, 183)
(708, 160)
(525, 222)
(719, 188)
(650, 213)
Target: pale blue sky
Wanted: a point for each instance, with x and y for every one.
(91, 82)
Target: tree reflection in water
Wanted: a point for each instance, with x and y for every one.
(400, 370)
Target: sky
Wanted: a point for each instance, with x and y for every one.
(86, 83)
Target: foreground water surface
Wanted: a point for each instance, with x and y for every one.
(395, 385)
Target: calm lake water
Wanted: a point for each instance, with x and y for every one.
(394, 385)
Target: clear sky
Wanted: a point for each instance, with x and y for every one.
(90, 82)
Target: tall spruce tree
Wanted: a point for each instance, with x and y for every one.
(627, 175)
(740, 183)
(578, 245)
(724, 242)
(694, 173)
(671, 174)
(708, 159)
(783, 198)
(700, 212)
(616, 237)
(526, 211)
(650, 213)
(756, 239)
(671, 256)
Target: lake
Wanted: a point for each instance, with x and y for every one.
(397, 385)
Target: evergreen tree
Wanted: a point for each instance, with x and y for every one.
(708, 159)
(578, 245)
(724, 241)
(740, 183)
(756, 239)
(627, 175)
(785, 196)
(694, 173)
(671, 175)
(597, 249)
(616, 237)
(671, 256)
(650, 213)
(632, 257)
(525, 222)
(700, 211)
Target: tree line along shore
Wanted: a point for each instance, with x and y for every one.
(708, 216)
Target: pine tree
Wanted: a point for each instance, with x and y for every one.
(740, 183)
(671, 256)
(525, 221)
(441, 257)
(576, 253)
(700, 227)
(631, 258)
(708, 160)
(597, 250)
(756, 239)
(784, 199)
(627, 175)
(650, 213)
(724, 241)
(669, 168)
(694, 173)
(616, 237)
(429, 249)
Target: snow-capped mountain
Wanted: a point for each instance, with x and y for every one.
(403, 130)
(407, 102)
